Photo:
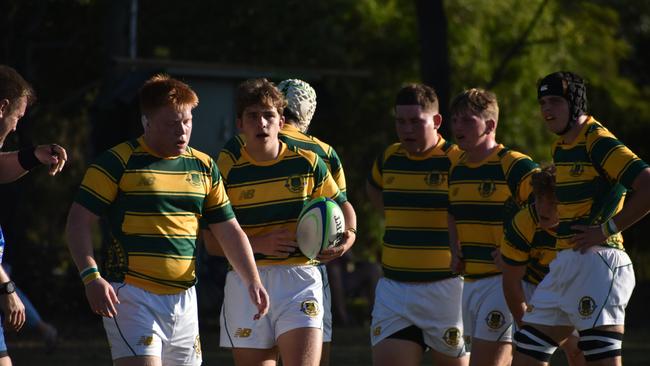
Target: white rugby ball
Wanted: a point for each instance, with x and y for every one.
(320, 225)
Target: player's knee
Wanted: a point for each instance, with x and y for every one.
(534, 343)
(600, 344)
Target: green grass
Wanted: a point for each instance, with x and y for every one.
(88, 346)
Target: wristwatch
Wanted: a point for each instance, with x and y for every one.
(7, 288)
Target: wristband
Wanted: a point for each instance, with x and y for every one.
(27, 159)
(352, 230)
(89, 274)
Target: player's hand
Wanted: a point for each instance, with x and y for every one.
(278, 243)
(586, 237)
(260, 299)
(102, 298)
(337, 251)
(498, 260)
(14, 311)
(53, 155)
(457, 264)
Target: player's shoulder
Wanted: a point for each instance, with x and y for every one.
(204, 158)
(393, 149)
(595, 130)
(121, 152)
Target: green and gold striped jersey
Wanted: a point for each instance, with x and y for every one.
(478, 193)
(294, 138)
(153, 206)
(269, 195)
(525, 243)
(593, 174)
(414, 190)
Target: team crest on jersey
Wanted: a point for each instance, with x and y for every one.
(486, 188)
(197, 347)
(193, 179)
(576, 170)
(586, 306)
(309, 307)
(247, 194)
(295, 183)
(452, 336)
(146, 181)
(495, 319)
(435, 178)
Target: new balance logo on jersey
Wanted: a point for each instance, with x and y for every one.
(146, 181)
(243, 332)
(247, 194)
(145, 341)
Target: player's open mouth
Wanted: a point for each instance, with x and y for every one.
(549, 118)
(262, 135)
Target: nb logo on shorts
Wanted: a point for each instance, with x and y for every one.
(197, 347)
(452, 336)
(243, 332)
(376, 332)
(495, 319)
(309, 307)
(145, 341)
(586, 306)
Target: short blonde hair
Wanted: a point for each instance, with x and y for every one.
(477, 102)
(162, 90)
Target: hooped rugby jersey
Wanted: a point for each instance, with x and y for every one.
(294, 138)
(269, 195)
(414, 189)
(525, 243)
(153, 206)
(593, 174)
(477, 199)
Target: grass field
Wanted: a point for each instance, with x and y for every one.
(88, 346)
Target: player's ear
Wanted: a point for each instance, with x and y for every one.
(281, 122)
(490, 125)
(437, 121)
(240, 124)
(4, 106)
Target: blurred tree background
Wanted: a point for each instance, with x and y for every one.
(66, 49)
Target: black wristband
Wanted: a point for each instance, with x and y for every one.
(27, 159)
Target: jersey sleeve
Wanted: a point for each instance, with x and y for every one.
(324, 184)
(99, 186)
(518, 235)
(217, 206)
(519, 171)
(337, 170)
(619, 163)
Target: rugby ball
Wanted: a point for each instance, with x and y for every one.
(320, 225)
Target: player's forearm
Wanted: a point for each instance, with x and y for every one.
(513, 291)
(4, 277)
(638, 205)
(349, 215)
(454, 243)
(79, 237)
(211, 243)
(375, 196)
(237, 249)
(10, 168)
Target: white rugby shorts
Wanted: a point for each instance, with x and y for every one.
(486, 315)
(434, 307)
(327, 305)
(584, 290)
(148, 324)
(296, 296)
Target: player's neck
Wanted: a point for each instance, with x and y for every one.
(481, 151)
(428, 149)
(264, 152)
(571, 135)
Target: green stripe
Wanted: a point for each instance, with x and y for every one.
(631, 172)
(518, 171)
(269, 213)
(477, 253)
(181, 164)
(155, 245)
(417, 239)
(401, 163)
(415, 199)
(176, 203)
(488, 171)
(478, 212)
(576, 154)
(577, 191)
(91, 202)
(311, 146)
(289, 166)
(215, 215)
(602, 148)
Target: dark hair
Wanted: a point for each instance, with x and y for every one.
(258, 91)
(418, 94)
(478, 102)
(13, 86)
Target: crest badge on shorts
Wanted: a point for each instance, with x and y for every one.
(309, 307)
(586, 306)
(495, 319)
(452, 336)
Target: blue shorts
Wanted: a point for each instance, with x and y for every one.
(3, 345)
